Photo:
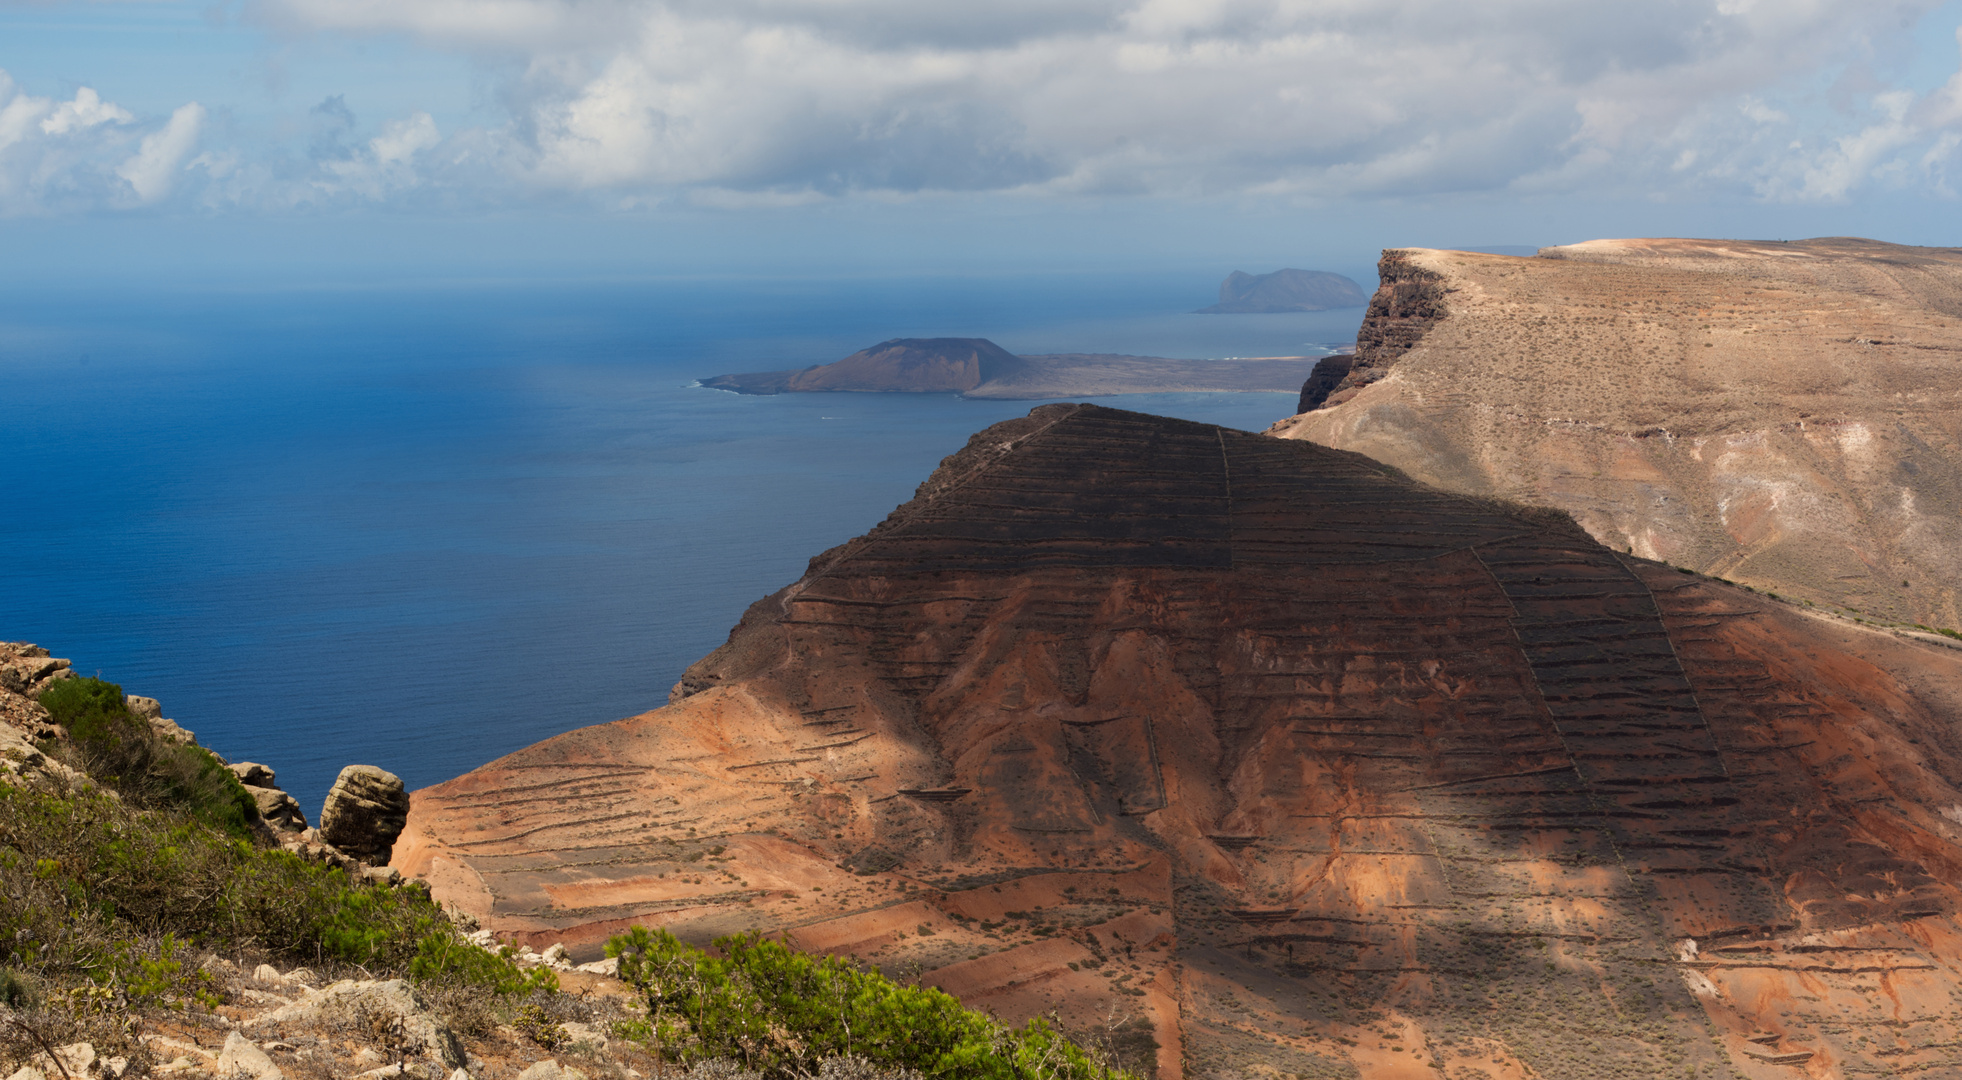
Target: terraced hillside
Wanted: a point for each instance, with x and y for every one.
(1272, 762)
(1783, 414)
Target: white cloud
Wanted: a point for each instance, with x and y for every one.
(86, 111)
(388, 163)
(1321, 98)
(745, 103)
(153, 169)
(1854, 157)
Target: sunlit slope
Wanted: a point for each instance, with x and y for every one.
(1788, 415)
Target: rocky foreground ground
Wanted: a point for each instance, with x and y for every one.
(333, 1021)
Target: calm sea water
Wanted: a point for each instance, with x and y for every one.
(421, 527)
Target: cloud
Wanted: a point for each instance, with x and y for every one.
(750, 103)
(86, 111)
(1314, 98)
(386, 164)
(153, 169)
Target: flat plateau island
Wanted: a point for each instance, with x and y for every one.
(978, 368)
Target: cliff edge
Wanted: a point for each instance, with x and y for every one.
(1783, 414)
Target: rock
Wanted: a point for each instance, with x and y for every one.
(303, 976)
(28, 1072)
(278, 809)
(551, 1070)
(608, 966)
(584, 1035)
(385, 1071)
(364, 813)
(384, 875)
(31, 670)
(267, 973)
(170, 731)
(22, 760)
(1328, 374)
(555, 956)
(364, 1003)
(75, 1060)
(143, 708)
(253, 774)
(242, 1057)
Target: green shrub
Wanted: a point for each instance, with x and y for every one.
(94, 889)
(120, 750)
(781, 1013)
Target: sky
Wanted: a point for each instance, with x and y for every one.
(351, 139)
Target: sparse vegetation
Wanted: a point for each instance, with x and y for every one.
(121, 751)
(781, 1013)
(113, 893)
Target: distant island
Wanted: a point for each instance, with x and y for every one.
(1285, 290)
(979, 368)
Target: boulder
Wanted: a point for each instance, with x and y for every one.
(364, 813)
(171, 731)
(280, 810)
(21, 760)
(253, 774)
(551, 1070)
(143, 708)
(30, 669)
(371, 1005)
(242, 1057)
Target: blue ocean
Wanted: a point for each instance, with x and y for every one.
(423, 526)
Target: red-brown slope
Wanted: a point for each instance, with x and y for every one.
(1285, 761)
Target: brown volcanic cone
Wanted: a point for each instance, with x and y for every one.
(1789, 415)
(1304, 766)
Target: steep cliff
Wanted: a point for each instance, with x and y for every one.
(1269, 754)
(1787, 415)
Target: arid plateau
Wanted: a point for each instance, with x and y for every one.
(1788, 415)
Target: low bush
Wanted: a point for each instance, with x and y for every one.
(99, 892)
(782, 1013)
(120, 750)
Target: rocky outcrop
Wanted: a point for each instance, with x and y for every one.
(368, 1005)
(1784, 415)
(1328, 374)
(364, 813)
(26, 670)
(1403, 309)
(1261, 753)
(1284, 290)
(978, 368)
(276, 808)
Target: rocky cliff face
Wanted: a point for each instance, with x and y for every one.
(1259, 751)
(1787, 415)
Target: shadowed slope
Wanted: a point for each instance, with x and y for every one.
(1259, 750)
